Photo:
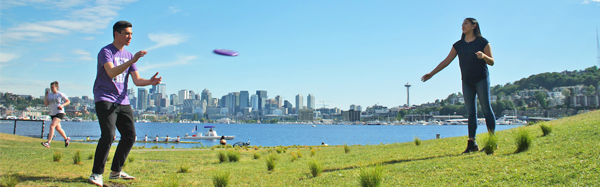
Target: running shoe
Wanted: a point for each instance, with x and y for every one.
(67, 141)
(471, 147)
(121, 175)
(46, 144)
(96, 179)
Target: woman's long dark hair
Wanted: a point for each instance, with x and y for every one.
(476, 30)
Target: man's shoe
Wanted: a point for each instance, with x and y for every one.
(121, 175)
(96, 179)
(46, 144)
(471, 147)
(67, 141)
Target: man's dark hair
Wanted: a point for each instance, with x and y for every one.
(120, 26)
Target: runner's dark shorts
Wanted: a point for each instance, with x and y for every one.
(60, 116)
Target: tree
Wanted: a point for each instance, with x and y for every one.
(195, 117)
(566, 92)
(541, 98)
(590, 90)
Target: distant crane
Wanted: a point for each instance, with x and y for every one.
(324, 105)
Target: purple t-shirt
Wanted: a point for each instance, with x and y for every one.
(112, 90)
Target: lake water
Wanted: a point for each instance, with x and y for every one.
(258, 134)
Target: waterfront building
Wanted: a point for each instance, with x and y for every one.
(142, 103)
(310, 101)
(183, 95)
(299, 102)
(244, 96)
(306, 115)
(206, 96)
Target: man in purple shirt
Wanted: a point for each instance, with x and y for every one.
(115, 64)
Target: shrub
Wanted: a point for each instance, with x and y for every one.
(271, 162)
(57, 156)
(234, 156)
(184, 169)
(77, 158)
(371, 177)
(546, 129)
(256, 156)
(523, 140)
(222, 157)
(155, 147)
(256, 148)
(131, 158)
(315, 168)
(221, 179)
(9, 180)
(491, 144)
(346, 148)
(294, 156)
(279, 150)
(417, 141)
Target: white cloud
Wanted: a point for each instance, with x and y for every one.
(588, 1)
(87, 19)
(5, 57)
(165, 40)
(181, 60)
(83, 54)
(173, 9)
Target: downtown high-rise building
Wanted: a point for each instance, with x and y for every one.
(244, 102)
(233, 102)
(279, 101)
(142, 103)
(206, 96)
(262, 97)
(288, 106)
(310, 101)
(161, 89)
(299, 102)
(173, 99)
(254, 102)
(183, 95)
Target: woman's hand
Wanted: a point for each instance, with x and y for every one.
(480, 55)
(60, 107)
(426, 77)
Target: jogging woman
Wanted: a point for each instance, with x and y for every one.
(56, 101)
(474, 55)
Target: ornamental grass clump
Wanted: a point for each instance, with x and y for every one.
(131, 158)
(491, 144)
(234, 156)
(312, 152)
(315, 168)
(77, 158)
(91, 156)
(417, 141)
(279, 149)
(371, 177)
(222, 156)
(256, 156)
(523, 140)
(546, 129)
(9, 180)
(221, 179)
(57, 156)
(271, 162)
(346, 148)
(184, 169)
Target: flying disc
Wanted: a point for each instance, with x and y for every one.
(225, 52)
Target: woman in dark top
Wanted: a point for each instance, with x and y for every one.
(474, 55)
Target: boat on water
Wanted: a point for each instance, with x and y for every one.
(509, 120)
(210, 135)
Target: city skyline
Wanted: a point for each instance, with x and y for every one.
(350, 52)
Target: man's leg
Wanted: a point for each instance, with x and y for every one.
(126, 127)
(107, 119)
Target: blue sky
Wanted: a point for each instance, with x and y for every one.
(343, 52)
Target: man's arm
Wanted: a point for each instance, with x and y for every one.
(139, 81)
(113, 71)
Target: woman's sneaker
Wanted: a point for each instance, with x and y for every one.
(96, 179)
(121, 175)
(46, 144)
(471, 147)
(67, 141)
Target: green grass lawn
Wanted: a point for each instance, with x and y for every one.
(568, 156)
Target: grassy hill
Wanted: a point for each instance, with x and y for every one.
(568, 156)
